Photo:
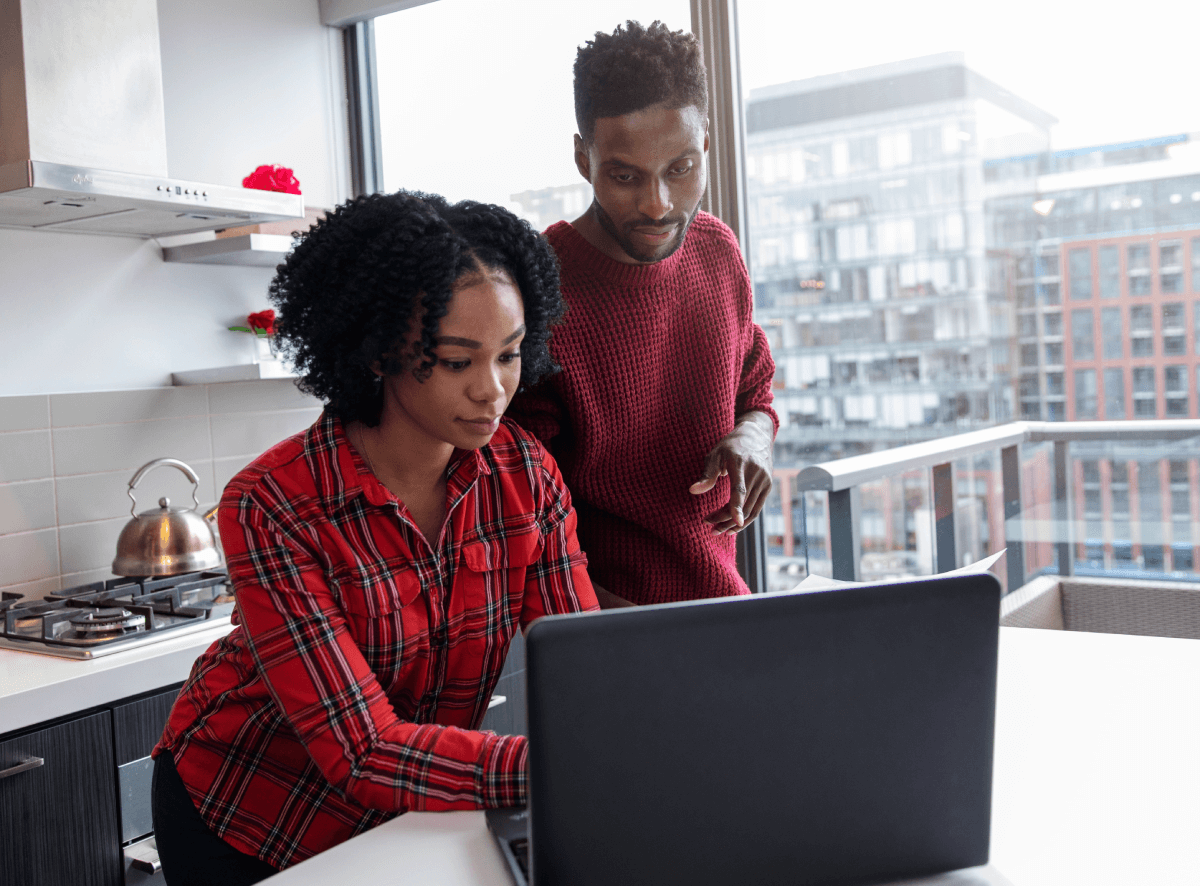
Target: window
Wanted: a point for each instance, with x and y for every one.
(1114, 393)
(1144, 393)
(1137, 264)
(1085, 393)
(1170, 255)
(1082, 339)
(1054, 384)
(1173, 330)
(1027, 326)
(1110, 272)
(1054, 354)
(1196, 264)
(1141, 331)
(1175, 391)
(1029, 355)
(1080, 264)
(1113, 333)
(1052, 323)
(442, 85)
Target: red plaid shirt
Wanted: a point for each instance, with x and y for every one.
(362, 660)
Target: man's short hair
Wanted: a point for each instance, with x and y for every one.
(636, 67)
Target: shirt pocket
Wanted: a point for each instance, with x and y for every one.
(377, 590)
(515, 551)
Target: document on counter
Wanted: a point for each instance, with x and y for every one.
(814, 583)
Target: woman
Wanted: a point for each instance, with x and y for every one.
(382, 559)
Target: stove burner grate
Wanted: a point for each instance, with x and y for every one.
(108, 621)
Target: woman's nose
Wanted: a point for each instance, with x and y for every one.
(488, 386)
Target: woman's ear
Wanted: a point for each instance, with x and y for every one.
(377, 368)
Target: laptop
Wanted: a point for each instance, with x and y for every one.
(834, 737)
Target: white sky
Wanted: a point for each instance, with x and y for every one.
(476, 94)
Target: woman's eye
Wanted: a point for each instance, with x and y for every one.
(455, 365)
(510, 358)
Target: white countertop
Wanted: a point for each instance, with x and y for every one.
(1097, 779)
(35, 688)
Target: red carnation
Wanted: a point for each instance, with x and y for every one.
(263, 321)
(272, 178)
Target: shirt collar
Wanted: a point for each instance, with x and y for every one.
(341, 473)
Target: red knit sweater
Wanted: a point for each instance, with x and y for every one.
(658, 361)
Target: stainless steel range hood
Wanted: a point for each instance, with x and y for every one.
(83, 131)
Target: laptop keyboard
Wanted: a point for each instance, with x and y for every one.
(520, 851)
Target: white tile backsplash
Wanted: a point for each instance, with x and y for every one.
(88, 497)
(66, 461)
(26, 506)
(126, 447)
(25, 455)
(256, 432)
(117, 407)
(89, 545)
(24, 413)
(29, 556)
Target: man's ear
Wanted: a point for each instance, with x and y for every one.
(582, 162)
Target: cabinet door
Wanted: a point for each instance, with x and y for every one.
(60, 818)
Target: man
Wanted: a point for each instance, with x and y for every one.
(661, 419)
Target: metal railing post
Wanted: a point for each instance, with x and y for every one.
(845, 548)
(1010, 467)
(1064, 531)
(943, 514)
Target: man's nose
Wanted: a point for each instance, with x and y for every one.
(656, 200)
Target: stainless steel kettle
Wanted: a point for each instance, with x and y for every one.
(165, 540)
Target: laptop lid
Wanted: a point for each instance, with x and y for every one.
(822, 738)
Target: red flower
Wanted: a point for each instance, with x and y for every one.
(272, 178)
(262, 320)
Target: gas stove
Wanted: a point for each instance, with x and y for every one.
(114, 615)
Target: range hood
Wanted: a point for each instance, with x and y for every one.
(83, 131)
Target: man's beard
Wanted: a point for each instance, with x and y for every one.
(665, 251)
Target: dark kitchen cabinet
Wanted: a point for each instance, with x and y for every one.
(60, 818)
(66, 819)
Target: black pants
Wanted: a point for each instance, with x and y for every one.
(190, 853)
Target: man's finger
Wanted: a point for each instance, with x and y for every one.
(714, 468)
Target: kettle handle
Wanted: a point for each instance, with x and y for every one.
(159, 462)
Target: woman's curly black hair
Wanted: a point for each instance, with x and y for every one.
(347, 292)
(636, 67)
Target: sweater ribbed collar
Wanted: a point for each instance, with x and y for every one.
(587, 259)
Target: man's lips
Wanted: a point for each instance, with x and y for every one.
(656, 235)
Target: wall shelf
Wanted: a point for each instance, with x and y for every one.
(254, 250)
(244, 372)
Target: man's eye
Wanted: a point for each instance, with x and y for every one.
(681, 170)
(623, 177)
(455, 365)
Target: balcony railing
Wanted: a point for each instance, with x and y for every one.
(1058, 483)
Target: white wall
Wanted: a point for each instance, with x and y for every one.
(245, 83)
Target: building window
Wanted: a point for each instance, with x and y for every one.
(1137, 264)
(1029, 355)
(1141, 331)
(1114, 393)
(1083, 345)
(1196, 264)
(1048, 292)
(1170, 266)
(1110, 272)
(1144, 393)
(1027, 326)
(1175, 391)
(1085, 393)
(1113, 333)
(1054, 384)
(1174, 336)
(1080, 264)
(1052, 323)
(1054, 354)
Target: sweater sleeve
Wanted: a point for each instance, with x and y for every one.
(754, 393)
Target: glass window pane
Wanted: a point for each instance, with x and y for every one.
(1114, 393)
(1085, 393)
(486, 111)
(1081, 273)
(1113, 333)
(1110, 272)
(1082, 340)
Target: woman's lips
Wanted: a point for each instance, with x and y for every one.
(483, 425)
